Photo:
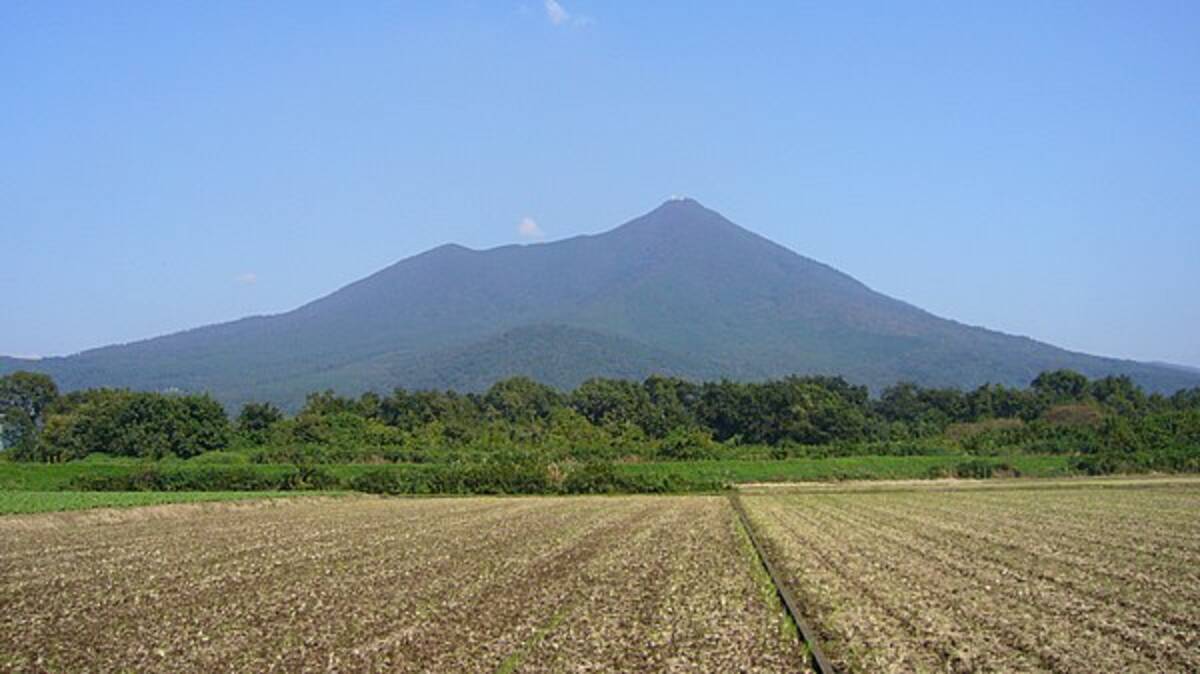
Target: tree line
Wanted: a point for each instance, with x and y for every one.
(660, 417)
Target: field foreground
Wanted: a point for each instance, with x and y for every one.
(1070, 576)
(476, 584)
(1021, 575)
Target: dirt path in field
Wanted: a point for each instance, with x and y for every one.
(476, 585)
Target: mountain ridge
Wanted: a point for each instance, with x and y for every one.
(681, 285)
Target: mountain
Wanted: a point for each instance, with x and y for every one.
(680, 290)
(558, 355)
(1176, 366)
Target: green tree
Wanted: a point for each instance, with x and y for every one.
(24, 398)
(1119, 394)
(688, 444)
(1186, 399)
(200, 426)
(521, 400)
(802, 411)
(18, 433)
(1061, 386)
(731, 411)
(30, 392)
(993, 401)
(613, 402)
(411, 410)
(256, 421)
(901, 402)
(328, 402)
(670, 405)
(127, 423)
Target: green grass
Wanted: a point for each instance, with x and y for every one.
(17, 476)
(14, 502)
(21, 476)
(839, 468)
(39, 477)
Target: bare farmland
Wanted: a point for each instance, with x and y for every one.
(582, 584)
(1076, 577)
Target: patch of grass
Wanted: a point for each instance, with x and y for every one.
(16, 502)
(766, 587)
(662, 476)
(19, 476)
(838, 468)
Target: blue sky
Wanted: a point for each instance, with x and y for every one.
(1029, 166)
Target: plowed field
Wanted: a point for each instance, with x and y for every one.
(1082, 576)
(1079, 577)
(445, 585)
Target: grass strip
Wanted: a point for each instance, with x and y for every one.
(820, 663)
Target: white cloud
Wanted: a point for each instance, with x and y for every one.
(247, 279)
(528, 228)
(557, 14)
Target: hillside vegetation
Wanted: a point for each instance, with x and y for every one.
(658, 435)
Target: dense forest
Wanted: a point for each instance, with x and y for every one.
(1110, 424)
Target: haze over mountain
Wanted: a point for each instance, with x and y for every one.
(680, 290)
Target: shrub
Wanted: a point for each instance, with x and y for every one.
(1097, 464)
(1080, 414)
(938, 473)
(976, 469)
(207, 478)
(595, 478)
(1005, 469)
(1108, 462)
(688, 444)
(218, 458)
(311, 477)
(486, 477)
(990, 436)
(490, 478)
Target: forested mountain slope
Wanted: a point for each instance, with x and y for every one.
(680, 290)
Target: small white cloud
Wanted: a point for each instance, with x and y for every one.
(557, 14)
(247, 279)
(528, 228)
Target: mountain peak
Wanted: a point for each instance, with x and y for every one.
(682, 204)
(450, 248)
(679, 216)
